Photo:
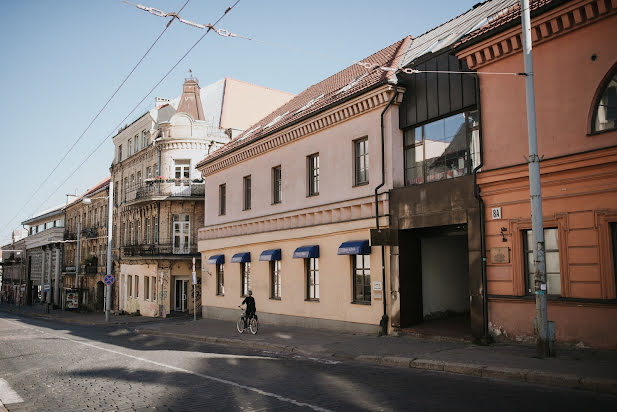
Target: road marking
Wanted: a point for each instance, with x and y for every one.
(7, 394)
(201, 375)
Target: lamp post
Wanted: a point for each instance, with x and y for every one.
(88, 201)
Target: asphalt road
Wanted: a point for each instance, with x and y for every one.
(49, 366)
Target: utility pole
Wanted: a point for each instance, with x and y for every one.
(109, 234)
(77, 265)
(194, 289)
(541, 325)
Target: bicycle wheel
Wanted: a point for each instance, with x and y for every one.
(253, 326)
(240, 324)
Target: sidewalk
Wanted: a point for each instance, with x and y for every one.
(587, 369)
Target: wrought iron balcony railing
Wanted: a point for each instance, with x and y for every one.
(158, 249)
(157, 189)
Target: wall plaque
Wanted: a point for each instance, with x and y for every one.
(500, 255)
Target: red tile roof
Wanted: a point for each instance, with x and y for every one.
(324, 94)
(511, 16)
(98, 186)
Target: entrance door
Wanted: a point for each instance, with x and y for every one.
(181, 295)
(182, 186)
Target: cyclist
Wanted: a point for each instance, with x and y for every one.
(249, 301)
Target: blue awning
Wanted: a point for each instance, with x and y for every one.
(355, 247)
(216, 260)
(241, 257)
(272, 254)
(304, 252)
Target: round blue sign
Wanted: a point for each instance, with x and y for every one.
(109, 279)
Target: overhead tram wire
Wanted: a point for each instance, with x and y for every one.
(94, 119)
(139, 103)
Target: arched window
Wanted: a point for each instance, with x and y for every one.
(605, 107)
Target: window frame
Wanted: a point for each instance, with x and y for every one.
(245, 278)
(277, 185)
(130, 285)
(136, 286)
(312, 289)
(312, 174)
(222, 199)
(602, 87)
(220, 279)
(528, 284)
(365, 278)
(153, 288)
(357, 156)
(146, 287)
(275, 279)
(246, 192)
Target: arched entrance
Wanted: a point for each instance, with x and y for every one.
(100, 296)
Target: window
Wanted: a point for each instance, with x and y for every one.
(138, 231)
(132, 182)
(130, 285)
(139, 179)
(361, 278)
(246, 184)
(154, 288)
(119, 153)
(143, 139)
(220, 280)
(245, 274)
(156, 229)
(136, 286)
(136, 143)
(125, 238)
(275, 279)
(360, 151)
(605, 108)
(222, 199)
(277, 185)
(312, 279)
(146, 287)
(130, 147)
(126, 188)
(551, 254)
(132, 232)
(313, 174)
(182, 228)
(148, 172)
(444, 149)
(148, 231)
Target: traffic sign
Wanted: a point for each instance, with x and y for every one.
(46, 287)
(109, 279)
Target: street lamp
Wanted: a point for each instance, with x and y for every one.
(87, 201)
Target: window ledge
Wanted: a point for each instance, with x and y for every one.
(312, 194)
(274, 298)
(311, 300)
(361, 302)
(360, 184)
(220, 294)
(601, 132)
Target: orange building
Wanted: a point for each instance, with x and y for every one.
(575, 73)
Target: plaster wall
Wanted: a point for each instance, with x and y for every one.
(131, 304)
(566, 81)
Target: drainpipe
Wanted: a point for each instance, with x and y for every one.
(384, 318)
(476, 193)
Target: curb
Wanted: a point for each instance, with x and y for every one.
(562, 380)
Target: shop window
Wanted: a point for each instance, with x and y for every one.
(245, 274)
(361, 278)
(312, 279)
(275, 279)
(551, 254)
(220, 280)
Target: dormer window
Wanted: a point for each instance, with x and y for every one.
(605, 107)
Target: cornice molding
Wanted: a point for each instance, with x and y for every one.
(555, 23)
(349, 110)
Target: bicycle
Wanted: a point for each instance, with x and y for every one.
(242, 325)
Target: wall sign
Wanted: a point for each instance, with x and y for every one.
(496, 213)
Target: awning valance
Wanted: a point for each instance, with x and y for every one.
(354, 247)
(216, 260)
(241, 257)
(304, 252)
(271, 254)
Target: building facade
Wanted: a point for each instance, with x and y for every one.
(291, 202)
(159, 193)
(13, 269)
(44, 249)
(575, 75)
(86, 228)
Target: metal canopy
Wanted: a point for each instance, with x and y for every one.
(241, 257)
(271, 254)
(216, 260)
(354, 247)
(304, 252)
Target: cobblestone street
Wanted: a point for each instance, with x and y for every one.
(54, 366)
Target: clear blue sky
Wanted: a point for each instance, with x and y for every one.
(62, 59)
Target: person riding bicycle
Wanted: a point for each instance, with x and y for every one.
(249, 301)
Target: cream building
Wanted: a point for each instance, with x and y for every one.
(158, 193)
(290, 205)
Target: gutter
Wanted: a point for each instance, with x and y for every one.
(476, 193)
(384, 319)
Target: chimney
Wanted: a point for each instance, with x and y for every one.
(190, 102)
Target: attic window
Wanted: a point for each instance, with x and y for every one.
(309, 104)
(276, 119)
(352, 83)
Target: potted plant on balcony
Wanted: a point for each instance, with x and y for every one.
(91, 264)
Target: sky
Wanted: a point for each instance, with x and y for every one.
(61, 61)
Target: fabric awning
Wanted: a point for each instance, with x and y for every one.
(241, 257)
(304, 252)
(354, 247)
(271, 254)
(216, 260)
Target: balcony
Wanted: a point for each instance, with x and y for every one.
(70, 235)
(89, 232)
(158, 249)
(165, 189)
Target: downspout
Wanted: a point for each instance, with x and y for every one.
(384, 319)
(476, 193)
